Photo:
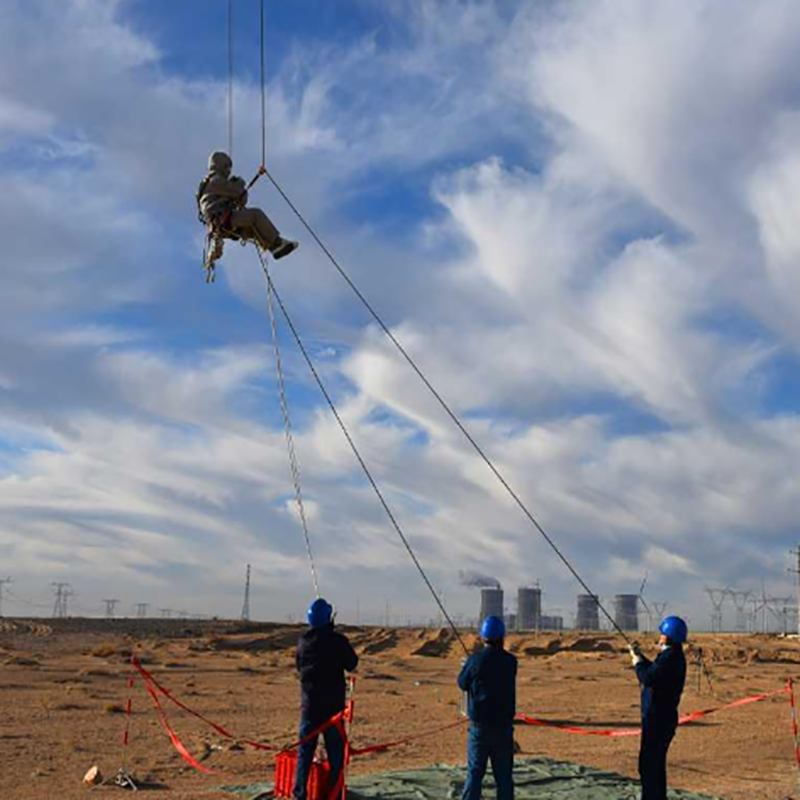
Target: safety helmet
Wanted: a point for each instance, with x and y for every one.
(493, 628)
(219, 162)
(675, 629)
(320, 613)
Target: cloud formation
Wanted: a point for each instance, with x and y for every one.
(578, 217)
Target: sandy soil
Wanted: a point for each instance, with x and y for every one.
(62, 687)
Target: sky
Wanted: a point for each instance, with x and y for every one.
(578, 216)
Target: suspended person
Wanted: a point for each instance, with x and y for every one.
(662, 684)
(323, 657)
(222, 202)
(489, 678)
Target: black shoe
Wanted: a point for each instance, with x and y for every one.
(283, 247)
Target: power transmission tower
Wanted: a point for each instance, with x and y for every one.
(246, 606)
(166, 613)
(63, 593)
(3, 583)
(141, 610)
(717, 598)
(111, 608)
(796, 571)
(740, 601)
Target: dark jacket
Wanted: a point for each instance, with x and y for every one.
(662, 684)
(490, 680)
(322, 657)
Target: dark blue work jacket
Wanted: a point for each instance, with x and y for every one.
(490, 680)
(662, 683)
(323, 656)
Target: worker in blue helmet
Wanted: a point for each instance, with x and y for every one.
(489, 678)
(662, 684)
(323, 656)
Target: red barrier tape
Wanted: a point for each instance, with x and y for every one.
(382, 748)
(684, 720)
(173, 737)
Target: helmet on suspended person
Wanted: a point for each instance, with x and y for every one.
(220, 162)
(320, 613)
(675, 629)
(493, 628)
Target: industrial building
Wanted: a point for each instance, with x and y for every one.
(529, 608)
(588, 616)
(626, 611)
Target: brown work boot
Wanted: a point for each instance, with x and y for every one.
(283, 247)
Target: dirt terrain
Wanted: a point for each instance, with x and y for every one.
(63, 688)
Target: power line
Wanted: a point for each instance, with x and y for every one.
(362, 463)
(443, 403)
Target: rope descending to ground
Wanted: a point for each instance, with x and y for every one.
(287, 422)
(362, 463)
(443, 403)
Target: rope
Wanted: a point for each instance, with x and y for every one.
(263, 94)
(443, 403)
(287, 423)
(230, 78)
(362, 463)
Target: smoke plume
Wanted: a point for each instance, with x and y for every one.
(470, 578)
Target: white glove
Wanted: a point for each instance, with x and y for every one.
(636, 654)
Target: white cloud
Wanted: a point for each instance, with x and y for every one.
(577, 298)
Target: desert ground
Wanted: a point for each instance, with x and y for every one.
(63, 688)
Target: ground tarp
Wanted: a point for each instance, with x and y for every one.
(535, 779)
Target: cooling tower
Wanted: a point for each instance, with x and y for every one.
(529, 608)
(588, 618)
(491, 604)
(626, 611)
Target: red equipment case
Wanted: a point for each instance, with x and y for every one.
(318, 780)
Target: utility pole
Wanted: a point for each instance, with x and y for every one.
(111, 608)
(141, 610)
(246, 606)
(3, 583)
(63, 593)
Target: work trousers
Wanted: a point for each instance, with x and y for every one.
(255, 224)
(653, 761)
(495, 742)
(334, 744)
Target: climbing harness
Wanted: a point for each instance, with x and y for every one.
(219, 230)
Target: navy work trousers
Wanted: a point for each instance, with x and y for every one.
(305, 756)
(653, 761)
(495, 742)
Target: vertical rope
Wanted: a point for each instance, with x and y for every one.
(263, 94)
(357, 454)
(230, 78)
(287, 423)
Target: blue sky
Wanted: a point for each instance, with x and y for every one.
(596, 265)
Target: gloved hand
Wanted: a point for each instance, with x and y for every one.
(636, 654)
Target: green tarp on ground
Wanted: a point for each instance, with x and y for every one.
(535, 779)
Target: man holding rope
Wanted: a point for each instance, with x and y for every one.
(323, 656)
(662, 684)
(489, 678)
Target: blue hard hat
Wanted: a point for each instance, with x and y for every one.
(493, 628)
(675, 629)
(320, 613)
